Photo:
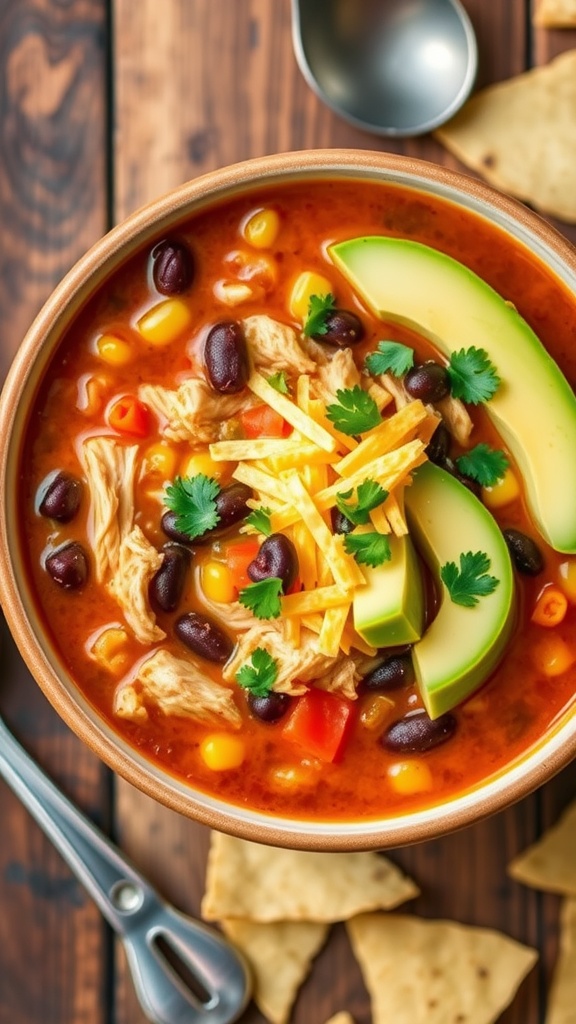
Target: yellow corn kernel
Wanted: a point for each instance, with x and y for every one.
(160, 460)
(552, 655)
(376, 711)
(222, 751)
(307, 284)
(200, 462)
(505, 490)
(217, 582)
(165, 322)
(109, 650)
(114, 350)
(261, 229)
(567, 579)
(409, 777)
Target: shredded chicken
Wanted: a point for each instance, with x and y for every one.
(109, 468)
(177, 687)
(274, 346)
(337, 374)
(453, 411)
(233, 615)
(341, 678)
(194, 412)
(137, 563)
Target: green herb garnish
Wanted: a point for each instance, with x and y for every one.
(192, 498)
(369, 495)
(319, 308)
(473, 378)
(259, 519)
(390, 357)
(471, 581)
(368, 548)
(484, 464)
(356, 411)
(279, 381)
(260, 674)
(263, 598)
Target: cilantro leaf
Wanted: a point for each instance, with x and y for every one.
(279, 382)
(192, 498)
(484, 464)
(391, 356)
(259, 519)
(471, 581)
(263, 598)
(356, 411)
(369, 494)
(473, 378)
(319, 308)
(259, 674)
(368, 548)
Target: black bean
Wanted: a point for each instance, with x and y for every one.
(525, 552)
(270, 708)
(68, 566)
(343, 328)
(277, 556)
(429, 382)
(62, 497)
(231, 508)
(204, 636)
(168, 524)
(226, 357)
(167, 585)
(438, 448)
(340, 522)
(416, 733)
(391, 674)
(467, 481)
(172, 267)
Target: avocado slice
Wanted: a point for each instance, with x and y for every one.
(534, 409)
(389, 610)
(462, 645)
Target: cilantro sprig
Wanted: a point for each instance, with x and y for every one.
(259, 520)
(319, 308)
(279, 381)
(368, 548)
(193, 499)
(259, 674)
(484, 464)
(355, 412)
(473, 378)
(470, 581)
(263, 598)
(390, 357)
(369, 495)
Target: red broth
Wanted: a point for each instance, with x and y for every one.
(511, 711)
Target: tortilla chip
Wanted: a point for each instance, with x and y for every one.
(280, 955)
(434, 972)
(341, 1018)
(263, 883)
(562, 997)
(521, 136)
(555, 13)
(550, 864)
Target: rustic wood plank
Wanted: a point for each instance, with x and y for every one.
(52, 207)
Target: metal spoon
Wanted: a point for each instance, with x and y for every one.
(184, 972)
(393, 67)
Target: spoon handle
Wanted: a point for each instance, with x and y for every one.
(183, 971)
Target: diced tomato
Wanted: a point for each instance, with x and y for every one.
(129, 416)
(239, 554)
(263, 421)
(318, 723)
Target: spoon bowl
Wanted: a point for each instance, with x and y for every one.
(391, 67)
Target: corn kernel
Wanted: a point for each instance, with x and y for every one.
(222, 751)
(294, 776)
(217, 582)
(165, 322)
(409, 777)
(552, 655)
(307, 284)
(567, 579)
(261, 229)
(113, 350)
(504, 491)
(109, 650)
(160, 460)
(200, 462)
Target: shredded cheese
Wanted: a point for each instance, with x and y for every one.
(292, 414)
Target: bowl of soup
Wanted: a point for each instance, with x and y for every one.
(288, 525)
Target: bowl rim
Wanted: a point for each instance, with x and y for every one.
(544, 759)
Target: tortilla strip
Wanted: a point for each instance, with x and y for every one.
(562, 997)
(550, 863)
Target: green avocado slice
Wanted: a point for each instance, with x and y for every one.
(534, 409)
(462, 646)
(389, 610)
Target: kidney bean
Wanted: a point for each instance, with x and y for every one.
(340, 522)
(270, 708)
(204, 636)
(438, 448)
(525, 552)
(172, 267)
(343, 328)
(62, 498)
(167, 585)
(168, 524)
(416, 733)
(231, 507)
(429, 382)
(226, 357)
(391, 674)
(277, 557)
(68, 566)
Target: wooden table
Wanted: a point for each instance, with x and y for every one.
(103, 106)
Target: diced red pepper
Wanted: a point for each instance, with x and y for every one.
(263, 421)
(239, 554)
(129, 416)
(318, 723)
